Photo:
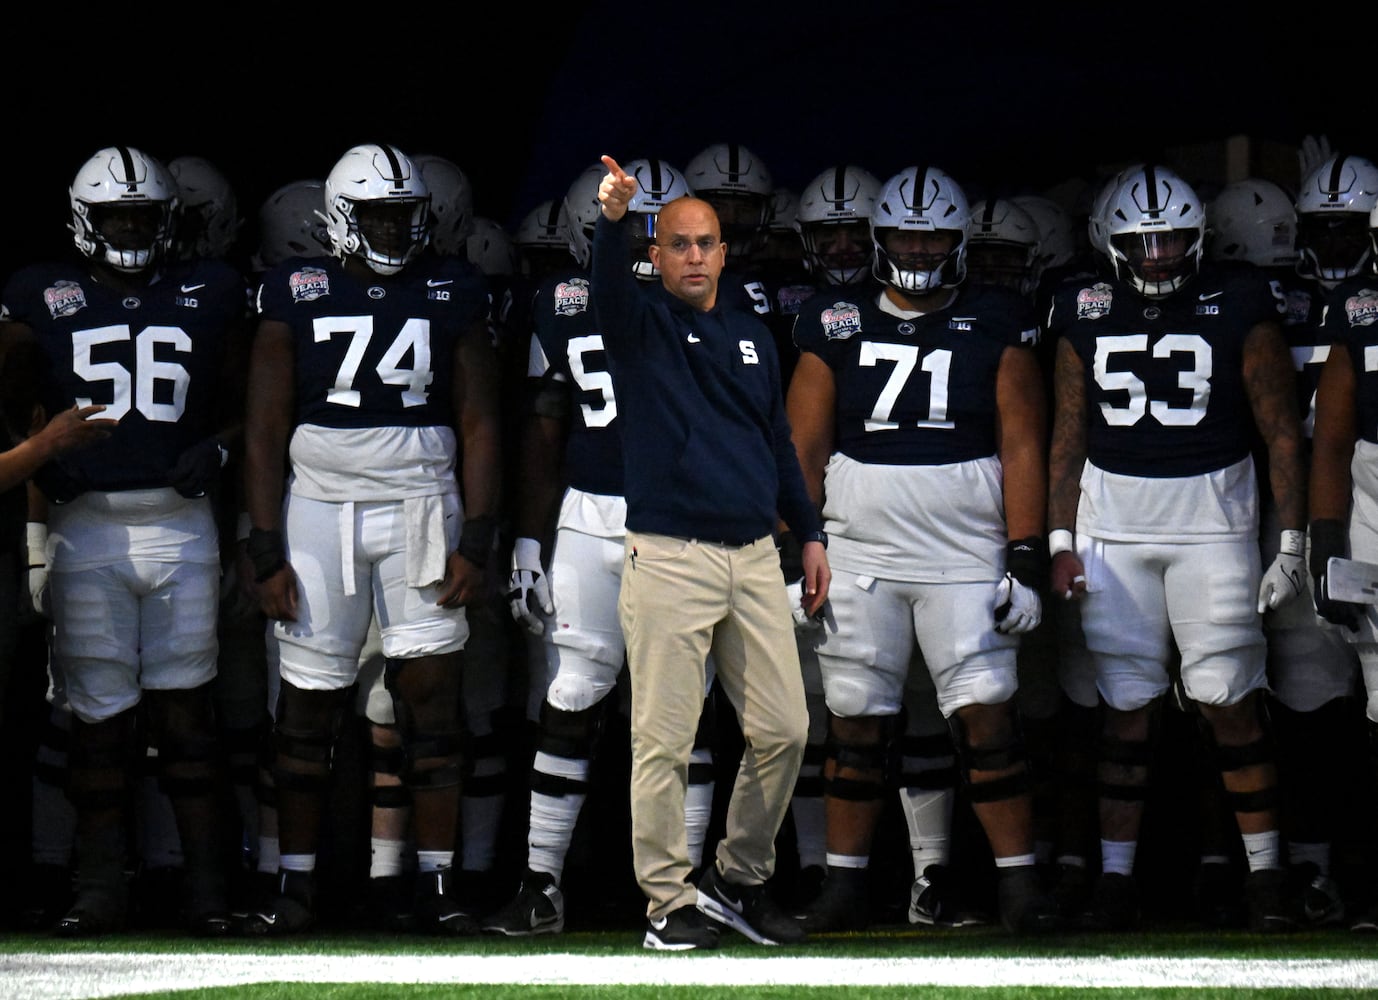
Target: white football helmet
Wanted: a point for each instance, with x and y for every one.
(129, 238)
(657, 184)
(737, 184)
(1095, 221)
(209, 221)
(376, 175)
(542, 239)
(452, 202)
(920, 200)
(1252, 220)
(490, 249)
(1155, 229)
(834, 224)
(1332, 218)
(1057, 237)
(1002, 248)
(289, 224)
(582, 210)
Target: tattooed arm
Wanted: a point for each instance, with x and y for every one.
(1270, 385)
(1066, 457)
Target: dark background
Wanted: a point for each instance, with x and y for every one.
(1015, 96)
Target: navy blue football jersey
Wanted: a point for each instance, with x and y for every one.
(1351, 321)
(1303, 305)
(154, 358)
(915, 391)
(573, 346)
(1164, 377)
(377, 352)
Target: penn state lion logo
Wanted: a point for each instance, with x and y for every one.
(840, 321)
(1094, 302)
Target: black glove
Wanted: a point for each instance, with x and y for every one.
(1328, 539)
(791, 557)
(197, 468)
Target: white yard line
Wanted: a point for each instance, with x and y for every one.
(77, 975)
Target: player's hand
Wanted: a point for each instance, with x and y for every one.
(616, 190)
(528, 580)
(463, 583)
(1018, 608)
(1284, 580)
(1329, 537)
(818, 577)
(197, 469)
(74, 428)
(1068, 576)
(803, 621)
(277, 594)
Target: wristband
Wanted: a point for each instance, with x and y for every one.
(476, 540)
(1024, 560)
(266, 551)
(819, 536)
(1061, 540)
(1293, 543)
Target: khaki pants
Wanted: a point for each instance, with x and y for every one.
(679, 600)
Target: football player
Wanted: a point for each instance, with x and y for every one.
(133, 560)
(370, 374)
(918, 415)
(208, 220)
(1344, 517)
(1154, 513)
(1312, 670)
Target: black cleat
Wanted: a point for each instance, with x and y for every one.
(841, 905)
(438, 910)
(538, 908)
(747, 909)
(289, 910)
(1114, 904)
(1024, 907)
(1271, 908)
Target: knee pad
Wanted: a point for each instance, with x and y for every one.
(872, 759)
(575, 692)
(99, 761)
(434, 748)
(304, 735)
(991, 758)
(391, 761)
(572, 735)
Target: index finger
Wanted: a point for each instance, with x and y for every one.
(613, 167)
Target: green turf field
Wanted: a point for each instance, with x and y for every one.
(888, 963)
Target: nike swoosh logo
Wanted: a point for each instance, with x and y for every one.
(432, 283)
(192, 288)
(1206, 296)
(693, 339)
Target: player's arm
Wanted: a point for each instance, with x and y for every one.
(811, 408)
(1332, 440)
(267, 425)
(476, 418)
(1066, 459)
(1021, 420)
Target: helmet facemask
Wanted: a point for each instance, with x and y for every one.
(1333, 245)
(917, 261)
(128, 236)
(1157, 262)
(839, 251)
(386, 234)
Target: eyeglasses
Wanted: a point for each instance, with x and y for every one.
(680, 246)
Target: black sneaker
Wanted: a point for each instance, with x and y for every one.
(1114, 904)
(1271, 908)
(289, 910)
(747, 909)
(841, 904)
(933, 901)
(1024, 907)
(1321, 902)
(538, 908)
(438, 910)
(684, 929)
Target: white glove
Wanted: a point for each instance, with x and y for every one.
(803, 622)
(1018, 608)
(36, 572)
(1286, 577)
(528, 578)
